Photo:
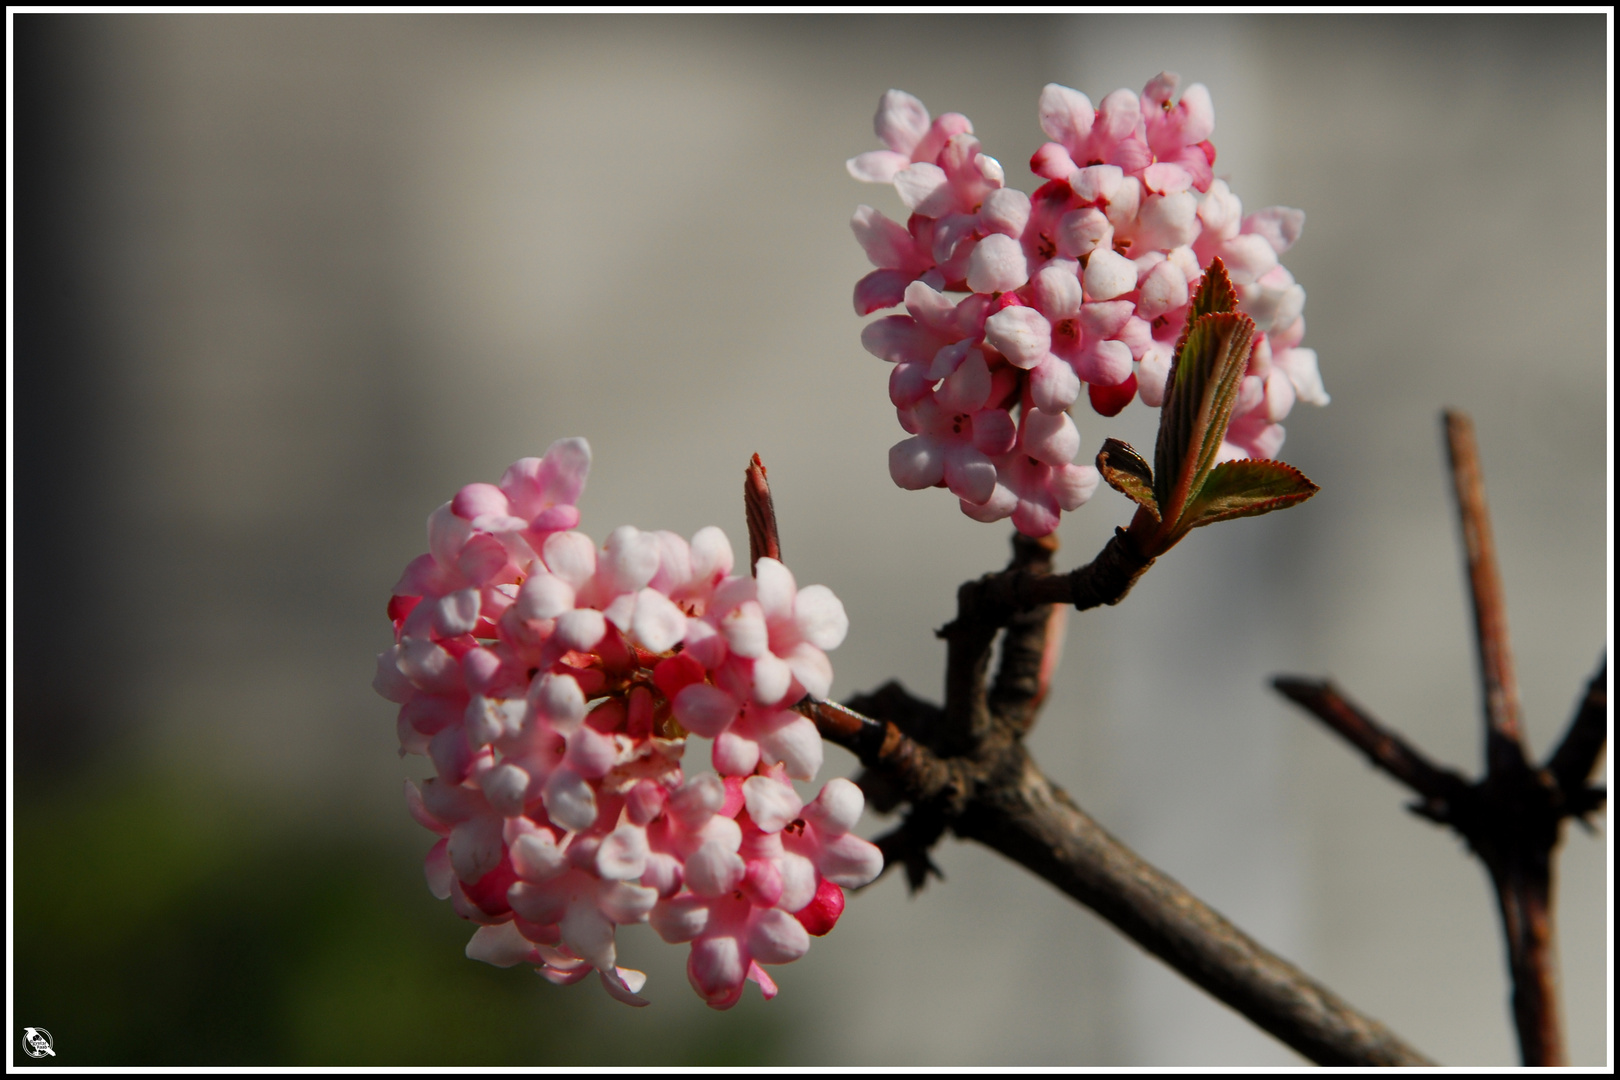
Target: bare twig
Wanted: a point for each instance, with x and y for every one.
(1504, 742)
(1513, 817)
(1000, 799)
(1439, 788)
(1572, 763)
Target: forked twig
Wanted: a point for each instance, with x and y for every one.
(1513, 817)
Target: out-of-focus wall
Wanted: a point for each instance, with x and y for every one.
(284, 283)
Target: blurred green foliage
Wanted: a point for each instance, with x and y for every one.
(156, 925)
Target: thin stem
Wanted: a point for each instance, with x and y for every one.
(1385, 748)
(1504, 738)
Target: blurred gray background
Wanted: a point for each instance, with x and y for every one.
(284, 283)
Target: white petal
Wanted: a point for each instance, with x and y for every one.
(629, 558)
(777, 937)
(544, 596)
(821, 618)
(776, 589)
(711, 553)
(849, 861)
(622, 984)
(536, 857)
(475, 847)
(772, 679)
(569, 800)
(680, 918)
(838, 807)
(713, 871)
(1109, 274)
(504, 787)
(571, 556)
(391, 682)
(795, 744)
(771, 803)
(559, 700)
(623, 854)
(588, 933)
(502, 946)
(581, 629)
(625, 903)
(658, 624)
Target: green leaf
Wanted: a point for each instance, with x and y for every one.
(1245, 488)
(1215, 294)
(1201, 391)
(1127, 473)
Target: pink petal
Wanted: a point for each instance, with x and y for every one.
(877, 166)
(681, 918)
(1053, 385)
(969, 474)
(1108, 274)
(1096, 183)
(438, 870)
(997, 265)
(777, 937)
(924, 189)
(849, 861)
(716, 970)
(390, 681)
(621, 989)
(1066, 115)
(901, 121)
(1107, 363)
(1006, 211)
(1050, 437)
(886, 243)
(705, 710)
(916, 463)
(1021, 334)
(993, 433)
(1073, 485)
(1280, 225)
(1082, 231)
(880, 289)
(713, 871)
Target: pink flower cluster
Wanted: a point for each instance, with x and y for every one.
(1085, 284)
(553, 687)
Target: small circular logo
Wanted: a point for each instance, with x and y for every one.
(37, 1042)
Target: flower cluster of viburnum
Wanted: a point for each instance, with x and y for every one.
(553, 686)
(1085, 284)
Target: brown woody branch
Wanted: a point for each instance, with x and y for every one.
(1513, 817)
(965, 768)
(1000, 798)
